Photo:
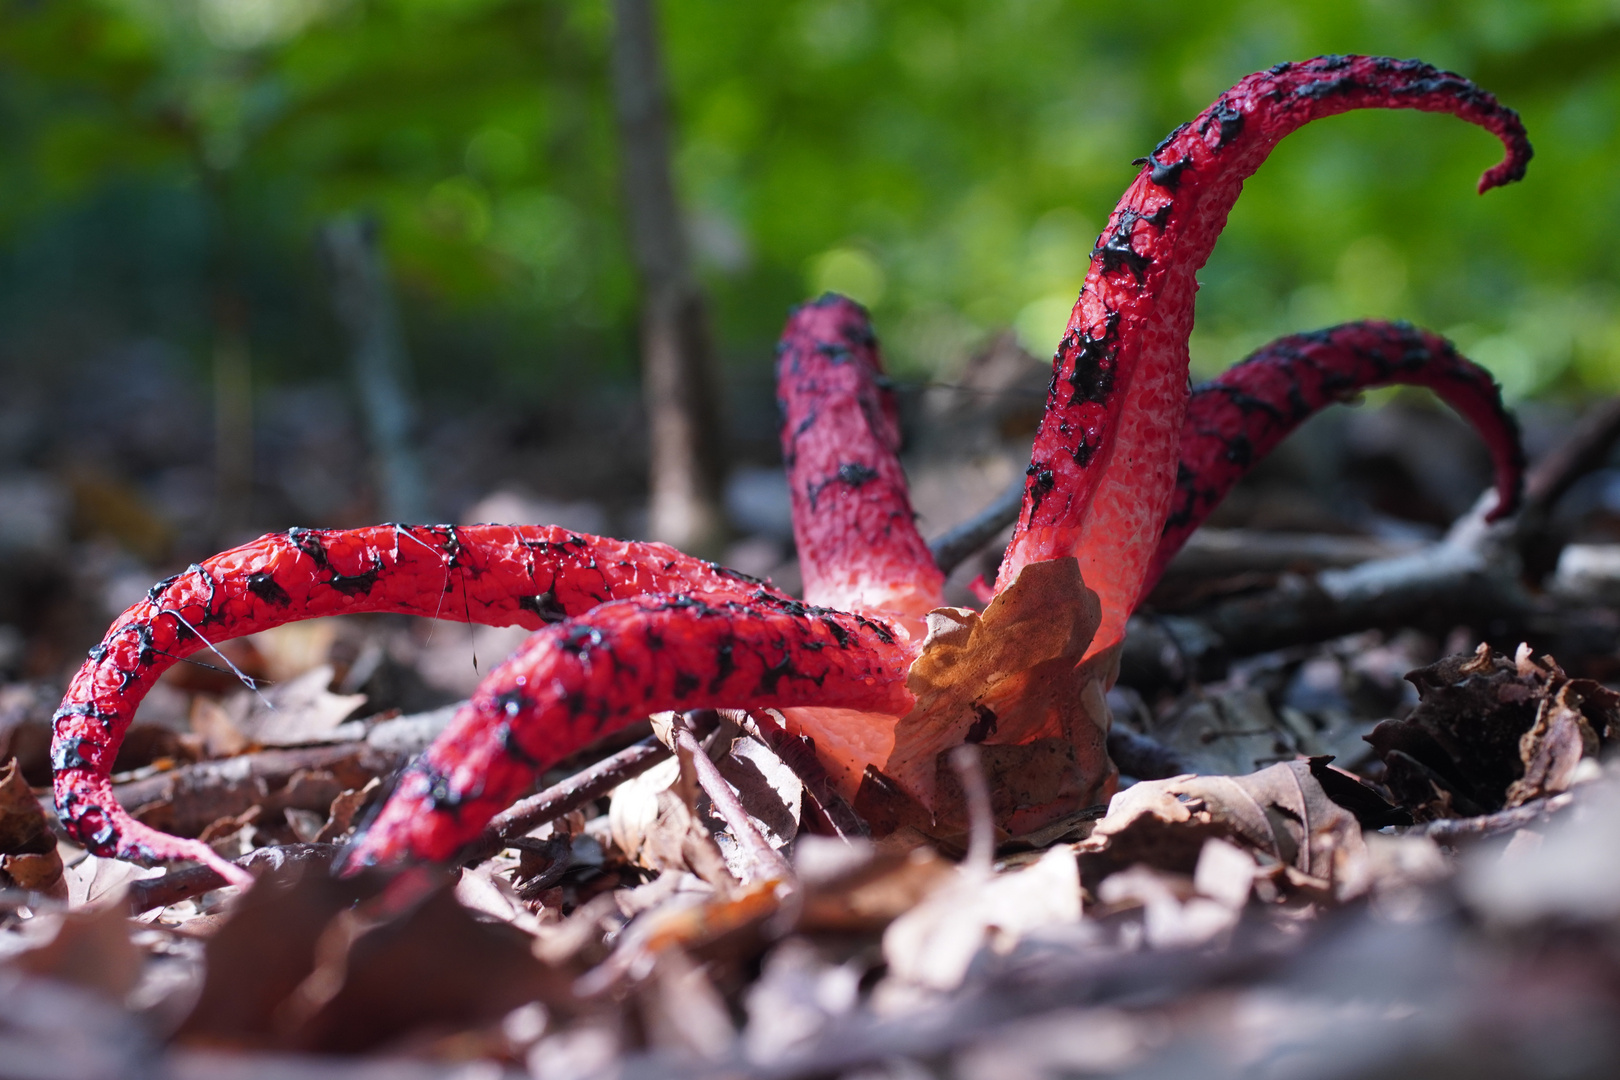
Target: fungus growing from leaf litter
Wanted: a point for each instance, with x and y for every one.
(869, 664)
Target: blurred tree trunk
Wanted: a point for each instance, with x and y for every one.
(676, 349)
(232, 359)
(233, 418)
(364, 299)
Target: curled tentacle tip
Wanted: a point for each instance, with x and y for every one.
(1508, 170)
(1517, 159)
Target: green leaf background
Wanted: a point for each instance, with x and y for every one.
(948, 162)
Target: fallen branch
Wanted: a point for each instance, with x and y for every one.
(1586, 449)
(192, 881)
(192, 797)
(520, 818)
(562, 798)
(1452, 830)
(1471, 576)
(1223, 552)
(955, 545)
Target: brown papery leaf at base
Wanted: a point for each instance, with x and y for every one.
(1011, 679)
(1280, 813)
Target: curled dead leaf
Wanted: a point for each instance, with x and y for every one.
(297, 712)
(1280, 813)
(28, 856)
(1492, 732)
(656, 826)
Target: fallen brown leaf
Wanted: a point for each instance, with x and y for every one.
(430, 967)
(1491, 732)
(1009, 677)
(859, 887)
(91, 949)
(933, 944)
(655, 825)
(28, 856)
(298, 712)
(244, 981)
(1280, 812)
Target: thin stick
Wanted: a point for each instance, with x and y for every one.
(192, 881)
(981, 826)
(562, 798)
(765, 862)
(516, 820)
(1451, 830)
(1585, 450)
(953, 546)
(799, 755)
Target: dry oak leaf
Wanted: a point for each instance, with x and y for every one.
(1280, 813)
(92, 949)
(297, 712)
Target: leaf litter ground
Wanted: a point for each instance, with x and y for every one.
(1243, 919)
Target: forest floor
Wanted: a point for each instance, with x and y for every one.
(1362, 831)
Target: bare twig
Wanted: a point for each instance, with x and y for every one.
(1470, 575)
(969, 768)
(565, 797)
(1215, 552)
(955, 545)
(514, 822)
(191, 881)
(1586, 449)
(766, 862)
(1451, 830)
(800, 756)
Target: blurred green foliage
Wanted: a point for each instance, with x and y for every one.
(947, 161)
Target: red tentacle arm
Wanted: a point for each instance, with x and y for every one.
(576, 681)
(1104, 461)
(499, 575)
(859, 548)
(1238, 418)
